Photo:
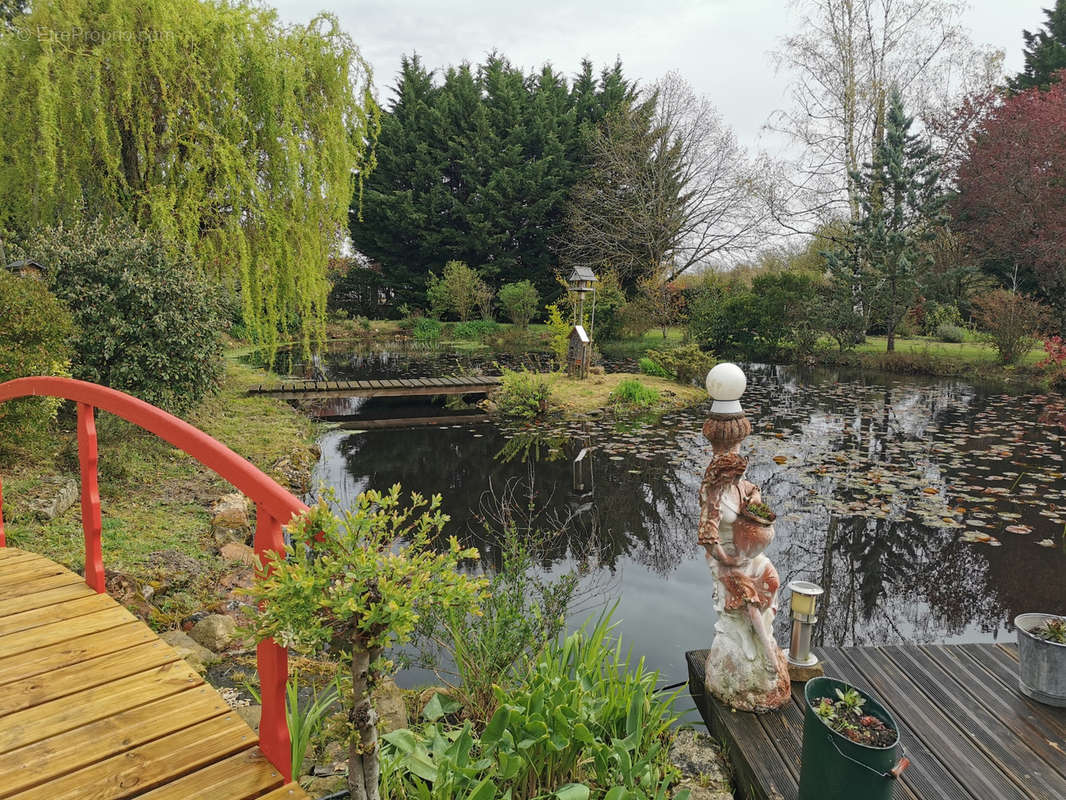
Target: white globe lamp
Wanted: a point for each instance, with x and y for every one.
(726, 384)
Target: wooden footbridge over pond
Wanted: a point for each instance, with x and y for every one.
(386, 387)
(93, 705)
(967, 730)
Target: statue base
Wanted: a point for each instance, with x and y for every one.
(744, 683)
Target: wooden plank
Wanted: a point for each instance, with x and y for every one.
(76, 607)
(241, 777)
(23, 571)
(410, 422)
(84, 675)
(926, 776)
(12, 555)
(34, 662)
(46, 635)
(1000, 746)
(38, 585)
(1005, 670)
(972, 681)
(48, 719)
(61, 594)
(149, 765)
(61, 754)
(290, 791)
(953, 748)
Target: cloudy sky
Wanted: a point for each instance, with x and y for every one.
(722, 47)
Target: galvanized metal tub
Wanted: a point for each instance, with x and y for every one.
(1042, 668)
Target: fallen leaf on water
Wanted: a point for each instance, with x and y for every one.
(780, 459)
(1046, 543)
(1022, 530)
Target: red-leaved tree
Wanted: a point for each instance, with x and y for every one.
(1012, 185)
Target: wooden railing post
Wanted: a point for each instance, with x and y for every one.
(90, 498)
(272, 662)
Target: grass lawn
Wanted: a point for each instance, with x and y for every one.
(973, 352)
(636, 346)
(578, 397)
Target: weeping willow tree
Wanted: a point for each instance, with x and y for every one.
(209, 123)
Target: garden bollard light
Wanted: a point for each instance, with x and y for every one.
(804, 616)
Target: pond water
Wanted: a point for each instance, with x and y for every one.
(929, 510)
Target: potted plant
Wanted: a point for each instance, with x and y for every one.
(1042, 657)
(755, 521)
(850, 744)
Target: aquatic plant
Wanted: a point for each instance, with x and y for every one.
(522, 394)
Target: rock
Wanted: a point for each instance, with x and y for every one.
(295, 469)
(173, 569)
(251, 715)
(230, 511)
(198, 657)
(323, 787)
(237, 551)
(389, 703)
(427, 694)
(52, 497)
(702, 764)
(215, 632)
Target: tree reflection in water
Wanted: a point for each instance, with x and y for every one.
(877, 483)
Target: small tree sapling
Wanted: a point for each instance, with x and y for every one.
(364, 580)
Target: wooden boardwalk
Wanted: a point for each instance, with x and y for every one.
(397, 387)
(968, 731)
(94, 706)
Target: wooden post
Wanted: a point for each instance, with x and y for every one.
(272, 663)
(90, 498)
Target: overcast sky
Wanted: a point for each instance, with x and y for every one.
(722, 47)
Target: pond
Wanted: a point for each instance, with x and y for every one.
(929, 510)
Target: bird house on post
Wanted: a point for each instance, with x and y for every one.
(28, 268)
(578, 353)
(582, 281)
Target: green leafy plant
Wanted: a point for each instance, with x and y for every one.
(474, 329)
(365, 579)
(34, 332)
(948, 332)
(634, 394)
(425, 329)
(760, 512)
(560, 333)
(522, 394)
(304, 722)
(148, 321)
(585, 721)
(649, 367)
(456, 291)
(845, 716)
(1053, 630)
(520, 301)
(687, 364)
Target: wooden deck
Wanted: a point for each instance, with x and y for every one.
(405, 387)
(968, 731)
(94, 706)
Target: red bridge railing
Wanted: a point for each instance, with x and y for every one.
(274, 507)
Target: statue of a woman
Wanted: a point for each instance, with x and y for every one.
(745, 667)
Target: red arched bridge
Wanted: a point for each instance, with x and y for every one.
(92, 703)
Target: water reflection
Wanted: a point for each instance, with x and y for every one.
(880, 485)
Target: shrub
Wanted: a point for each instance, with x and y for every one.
(687, 364)
(947, 332)
(649, 367)
(936, 314)
(425, 329)
(520, 302)
(522, 394)
(1012, 322)
(34, 329)
(634, 394)
(456, 291)
(485, 299)
(584, 722)
(367, 580)
(610, 302)
(474, 329)
(560, 333)
(147, 321)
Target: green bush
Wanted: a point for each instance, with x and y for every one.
(476, 329)
(520, 301)
(457, 291)
(947, 332)
(686, 364)
(586, 722)
(649, 367)
(148, 321)
(522, 394)
(425, 329)
(634, 394)
(937, 314)
(34, 329)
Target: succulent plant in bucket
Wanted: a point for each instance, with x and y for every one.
(1042, 657)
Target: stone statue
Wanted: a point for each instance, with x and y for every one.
(745, 667)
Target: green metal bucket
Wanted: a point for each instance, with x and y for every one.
(832, 766)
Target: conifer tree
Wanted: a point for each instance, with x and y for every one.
(901, 203)
(1045, 52)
